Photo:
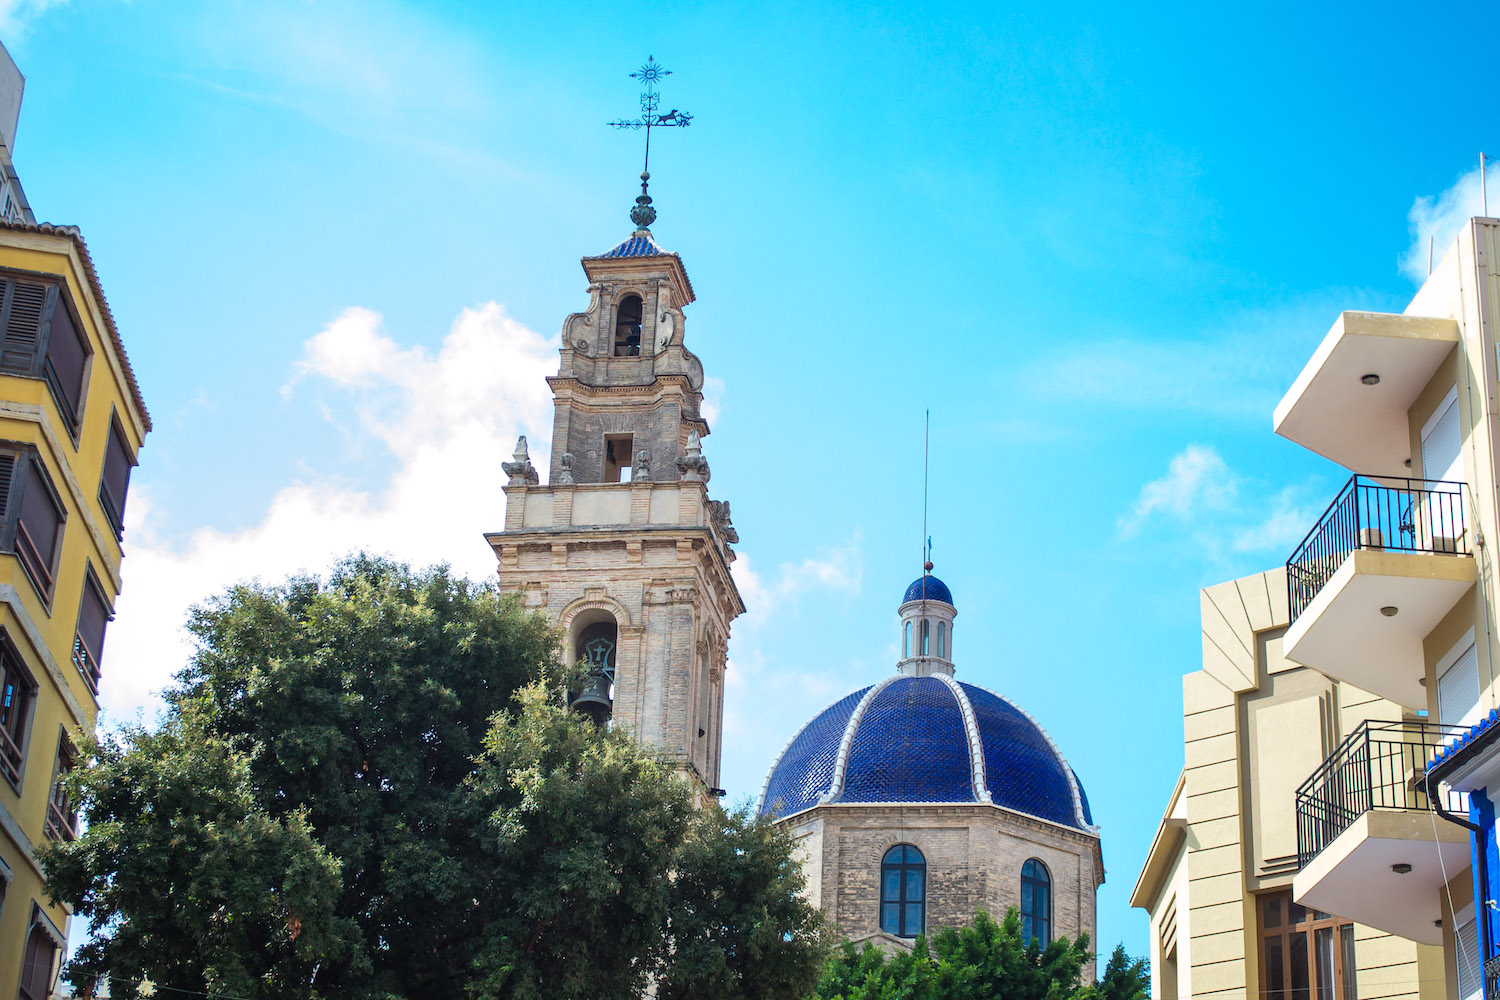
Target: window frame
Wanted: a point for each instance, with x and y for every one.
(41, 925)
(11, 663)
(10, 534)
(1036, 884)
(57, 293)
(89, 662)
(621, 348)
(62, 813)
(1343, 987)
(902, 867)
(114, 514)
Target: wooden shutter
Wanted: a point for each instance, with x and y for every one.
(39, 524)
(25, 302)
(36, 964)
(115, 481)
(93, 616)
(66, 354)
(7, 473)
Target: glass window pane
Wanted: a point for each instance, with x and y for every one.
(1272, 914)
(1346, 939)
(914, 884)
(925, 636)
(1026, 934)
(1275, 980)
(1323, 954)
(890, 918)
(914, 856)
(890, 884)
(1301, 988)
(913, 918)
(942, 635)
(1296, 913)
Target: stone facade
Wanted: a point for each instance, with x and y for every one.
(974, 856)
(636, 542)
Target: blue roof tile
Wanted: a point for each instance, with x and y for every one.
(929, 587)
(911, 746)
(806, 766)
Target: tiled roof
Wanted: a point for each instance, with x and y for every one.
(72, 233)
(1466, 746)
(906, 740)
(639, 244)
(928, 587)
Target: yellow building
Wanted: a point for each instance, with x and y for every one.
(1218, 881)
(71, 423)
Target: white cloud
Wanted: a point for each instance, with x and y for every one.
(1439, 219)
(839, 570)
(1291, 516)
(713, 399)
(448, 420)
(16, 16)
(1196, 479)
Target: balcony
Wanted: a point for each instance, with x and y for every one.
(1369, 847)
(1350, 403)
(1386, 561)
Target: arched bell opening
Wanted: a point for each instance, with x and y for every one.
(628, 327)
(595, 645)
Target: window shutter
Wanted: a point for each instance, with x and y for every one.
(1458, 688)
(25, 303)
(36, 965)
(7, 472)
(93, 616)
(1469, 967)
(66, 355)
(40, 519)
(116, 479)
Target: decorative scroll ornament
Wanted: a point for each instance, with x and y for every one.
(692, 465)
(520, 470)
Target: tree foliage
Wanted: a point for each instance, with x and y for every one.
(983, 961)
(362, 788)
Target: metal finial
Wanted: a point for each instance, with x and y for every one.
(651, 117)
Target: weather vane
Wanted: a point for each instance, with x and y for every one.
(651, 74)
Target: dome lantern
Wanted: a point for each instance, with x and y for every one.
(927, 614)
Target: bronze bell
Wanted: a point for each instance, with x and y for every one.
(594, 699)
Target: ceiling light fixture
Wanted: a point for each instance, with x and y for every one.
(1401, 868)
(1370, 379)
(1389, 610)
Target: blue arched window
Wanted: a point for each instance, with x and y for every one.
(926, 637)
(1036, 902)
(942, 639)
(906, 641)
(903, 891)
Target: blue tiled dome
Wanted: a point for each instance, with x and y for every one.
(929, 587)
(930, 740)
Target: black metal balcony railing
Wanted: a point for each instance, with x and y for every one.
(1377, 512)
(1492, 978)
(1381, 765)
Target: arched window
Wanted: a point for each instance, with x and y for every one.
(942, 637)
(926, 636)
(903, 891)
(906, 641)
(628, 327)
(1036, 902)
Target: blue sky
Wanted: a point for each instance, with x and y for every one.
(1098, 242)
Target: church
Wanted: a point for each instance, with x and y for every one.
(915, 801)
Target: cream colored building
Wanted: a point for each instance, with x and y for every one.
(1218, 880)
(1390, 593)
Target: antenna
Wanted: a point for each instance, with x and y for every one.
(926, 538)
(1484, 198)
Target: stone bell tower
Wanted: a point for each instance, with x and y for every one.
(623, 547)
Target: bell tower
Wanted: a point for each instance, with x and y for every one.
(622, 546)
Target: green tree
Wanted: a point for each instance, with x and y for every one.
(1125, 978)
(983, 961)
(740, 930)
(362, 788)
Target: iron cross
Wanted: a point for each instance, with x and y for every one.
(651, 117)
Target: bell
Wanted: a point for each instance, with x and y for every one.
(594, 700)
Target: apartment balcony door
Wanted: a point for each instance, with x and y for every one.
(1304, 954)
